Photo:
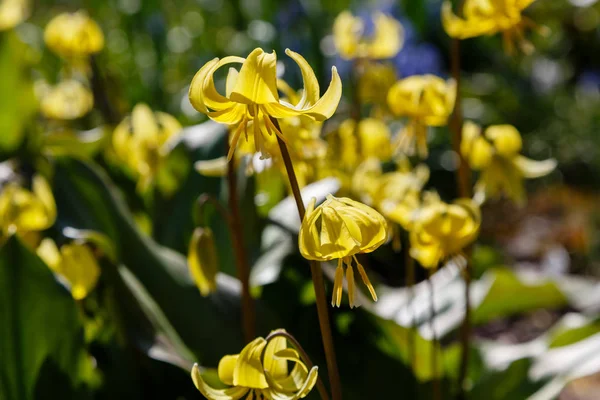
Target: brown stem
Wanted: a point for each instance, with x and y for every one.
(320, 385)
(201, 203)
(241, 258)
(100, 95)
(317, 278)
(435, 368)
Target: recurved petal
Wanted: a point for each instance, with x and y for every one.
(249, 370)
(534, 169)
(226, 367)
(462, 29)
(212, 98)
(301, 385)
(233, 393)
(213, 168)
(388, 38)
(80, 268)
(310, 85)
(274, 365)
(195, 92)
(257, 79)
(347, 31)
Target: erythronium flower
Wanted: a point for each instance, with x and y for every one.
(495, 153)
(73, 35)
(251, 96)
(202, 260)
(348, 36)
(75, 262)
(441, 231)
(426, 100)
(260, 371)
(12, 13)
(488, 17)
(341, 228)
(68, 100)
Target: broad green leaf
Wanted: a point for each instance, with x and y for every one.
(41, 336)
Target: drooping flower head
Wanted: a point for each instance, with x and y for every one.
(251, 96)
(24, 211)
(12, 13)
(67, 100)
(488, 17)
(73, 35)
(426, 100)
(441, 231)
(349, 39)
(75, 262)
(339, 229)
(139, 141)
(260, 371)
(495, 152)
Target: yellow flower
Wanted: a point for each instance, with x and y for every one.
(260, 371)
(12, 13)
(488, 17)
(23, 211)
(251, 95)
(140, 141)
(442, 230)
(341, 228)
(73, 35)
(386, 42)
(68, 100)
(495, 153)
(374, 83)
(426, 100)
(75, 262)
(202, 260)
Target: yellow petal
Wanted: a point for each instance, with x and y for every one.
(387, 39)
(202, 260)
(477, 25)
(534, 169)
(214, 168)
(506, 138)
(296, 386)
(276, 366)
(226, 367)
(49, 253)
(257, 79)
(347, 31)
(80, 268)
(68, 100)
(13, 12)
(249, 370)
(481, 154)
(73, 35)
(233, 393)
(42, 190)
(311, 93)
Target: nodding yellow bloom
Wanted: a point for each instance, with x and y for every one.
(260, 371)
(348, 36)
(67, 100)
(202, 260)
(441, 231)
(73, 35)
(341, 228)
(139, 141)
(252, 99)
(426, 100)
(75, 262)
(495, 153)
(23, 211)
(374, 83)
(12, 13)
(488, 17)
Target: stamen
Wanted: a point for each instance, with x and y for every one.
(336, 298)
(365, 279)
(351, 286)
(235, 138)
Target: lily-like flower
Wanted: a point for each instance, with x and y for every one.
(68, 100)
(260, 371)
(75, 262)
(488, 17)
(12, 13)
(495, 153)
(441, 231)
(74, 35)
(140, 141)
(341, 228)
(252, 99)
(26, 212)
(426, 100)
(348, 36)
(202, 260)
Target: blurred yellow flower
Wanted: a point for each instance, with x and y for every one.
(488, 17)
(202, 260)
(75, 262)
(251, 96)
(260, 371)
(339, 229)
(350, 41)
(67, 100)
(140, 141)
(495, 153)
(23, 211)
(426, 100)
(441, 231)
(12, 13)
(374, 83)
(73, 35)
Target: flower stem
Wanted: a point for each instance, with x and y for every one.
(410, 282)
(304, 355)
(435, 368)
(100, 95)
(241, 258)
(317, 278)
(203, 200)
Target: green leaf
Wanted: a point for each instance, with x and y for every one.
(41, 337)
